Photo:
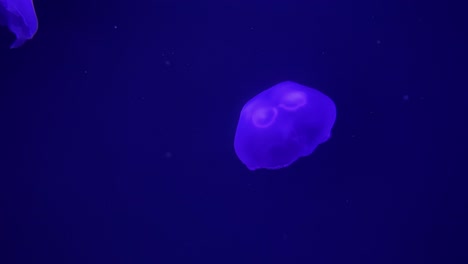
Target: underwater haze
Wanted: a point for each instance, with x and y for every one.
(152, 132)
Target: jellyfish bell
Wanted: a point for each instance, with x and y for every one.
(20, 18)
(282, 124)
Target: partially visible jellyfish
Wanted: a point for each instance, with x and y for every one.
(282, 124)
(20, 17)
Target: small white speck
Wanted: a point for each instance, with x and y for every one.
(167, 62)
(115, 26)
(323, 52)
(378, 42)
(168, 155)
(405, 97)
(85, 71)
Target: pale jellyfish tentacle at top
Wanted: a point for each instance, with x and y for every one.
(282, 124)
(20, 18)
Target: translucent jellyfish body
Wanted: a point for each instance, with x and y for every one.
(282, 124)
(20, 17)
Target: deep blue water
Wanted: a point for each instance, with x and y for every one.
(117, 123)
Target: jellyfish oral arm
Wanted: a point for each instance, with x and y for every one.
(20, 18)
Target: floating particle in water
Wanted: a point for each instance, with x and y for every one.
(282, 124)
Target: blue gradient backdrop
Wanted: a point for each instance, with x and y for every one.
(117, 124)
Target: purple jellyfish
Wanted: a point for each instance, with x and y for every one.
(19, 16)
(282, 124)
